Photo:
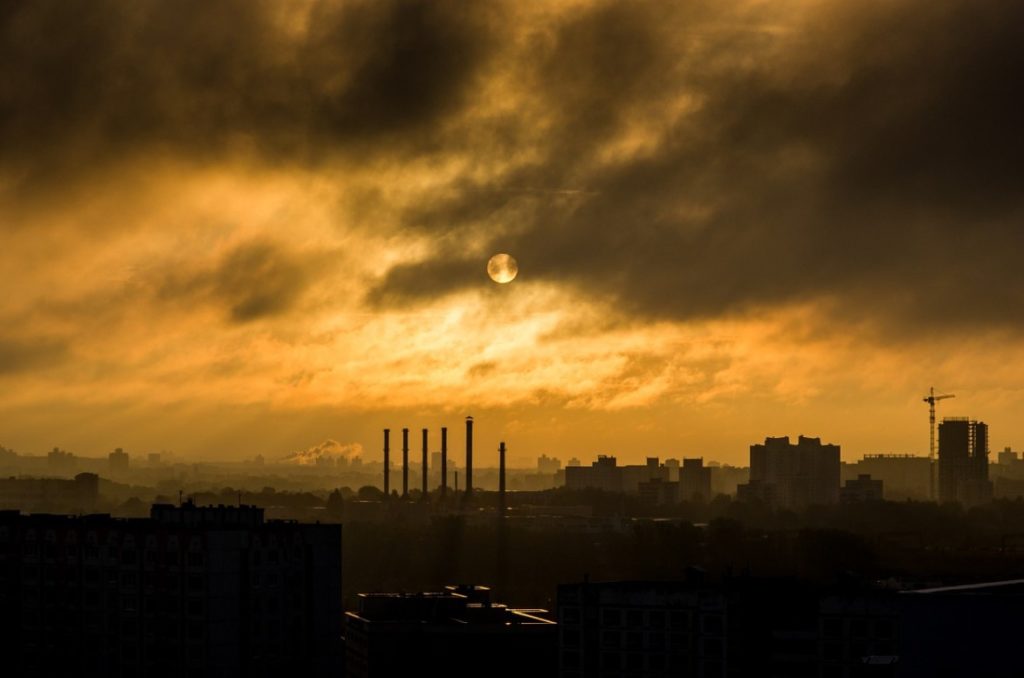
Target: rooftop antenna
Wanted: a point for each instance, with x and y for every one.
(931, 399)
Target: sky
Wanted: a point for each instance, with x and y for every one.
(233, 227)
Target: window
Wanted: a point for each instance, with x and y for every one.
(610, 639)
(713, 624)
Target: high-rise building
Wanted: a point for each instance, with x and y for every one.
(190, 591)
(963, 461)
(118, 460)
(793, 476)
(694, 480)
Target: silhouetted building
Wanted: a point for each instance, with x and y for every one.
(61, 461)
(963, 461)
(117, 461)
(548, 465)
(50, 494)
(793, 476)
(1008, 457)
(904, 476)
(673, 469)
(694, 480)
(605, 474)
(190, 591)
(725, 479)
(968, 630)
(862, 489)
(686, 628)
(456, 633)
(659, 492)
(784, 628)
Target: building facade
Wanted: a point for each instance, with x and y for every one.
(456, 632)
(793, 475)
(963, 462)
(190, 591)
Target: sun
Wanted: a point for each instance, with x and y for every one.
(502, 268)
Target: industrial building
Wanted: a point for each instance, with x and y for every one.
(189, 591)
(793, 476)
(458, 632)
(963, 462)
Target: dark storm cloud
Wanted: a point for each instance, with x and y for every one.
(254, 280)
(17, 356)
(865, 154)
(869, 155)
(90, 81)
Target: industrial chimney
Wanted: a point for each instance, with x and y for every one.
(387, 464)
(424, 497)
(405, 463)
(501, 479)
(444, 461)
(469, 457)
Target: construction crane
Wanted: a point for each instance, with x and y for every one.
(931, 399)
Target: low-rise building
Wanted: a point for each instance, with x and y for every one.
(458, 632)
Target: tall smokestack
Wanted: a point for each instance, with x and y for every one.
(405, 463)
(387, 463)
(424, 497)
(444, 461)
(501, 479)
(469, 456)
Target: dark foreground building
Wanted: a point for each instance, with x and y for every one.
(453, 633)
(190, 591)
(785, 629)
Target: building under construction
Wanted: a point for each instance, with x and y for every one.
(963, 461)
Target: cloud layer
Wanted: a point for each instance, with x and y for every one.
(288, 205)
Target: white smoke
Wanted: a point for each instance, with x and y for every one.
(330, 450)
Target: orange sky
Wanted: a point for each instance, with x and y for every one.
(732, 219)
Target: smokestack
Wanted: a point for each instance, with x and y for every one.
(444, 461)
(405, 463)
(424, 497)
(501, 479)
(387, 463)
(469, 456)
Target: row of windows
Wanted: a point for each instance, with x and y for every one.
(635, 618)
(858, 627)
